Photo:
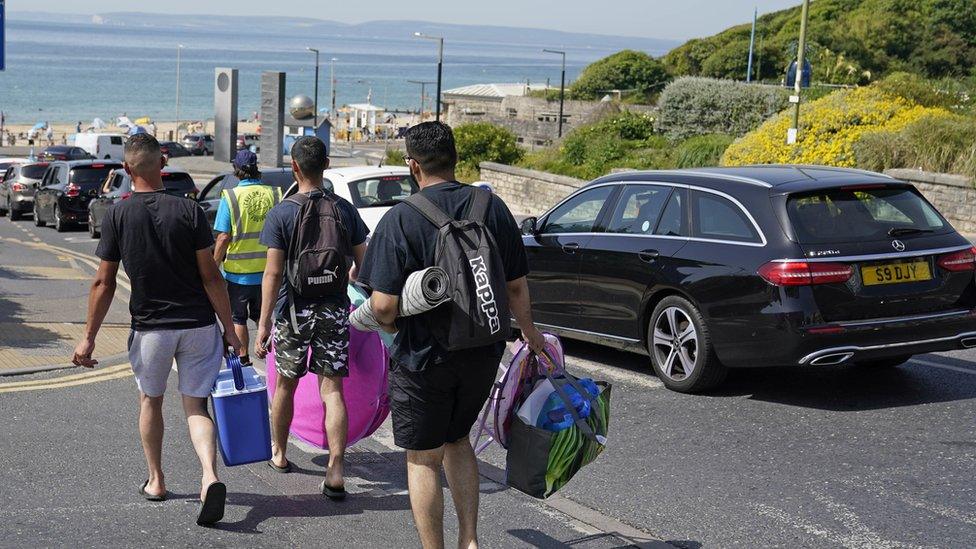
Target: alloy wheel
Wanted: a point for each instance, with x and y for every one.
(675, 343)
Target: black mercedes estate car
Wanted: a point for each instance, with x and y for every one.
(759, 266)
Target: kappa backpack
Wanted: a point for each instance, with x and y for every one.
(316, 264)
(477, 313)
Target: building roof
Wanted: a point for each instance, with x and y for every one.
(494, 91)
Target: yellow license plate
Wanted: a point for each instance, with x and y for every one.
(896, 273)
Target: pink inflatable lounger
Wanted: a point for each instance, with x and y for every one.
(365, 389)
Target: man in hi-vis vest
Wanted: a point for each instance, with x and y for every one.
(240, 218)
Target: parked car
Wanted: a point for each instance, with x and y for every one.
(760, 266)
(6, 162)
(249, 141)
(172, 149)
(65, 190)
(118, 187)
(63, 152)
(102, 145)
(17, 186)
(209, 197)
(373, 190)
(198, 144)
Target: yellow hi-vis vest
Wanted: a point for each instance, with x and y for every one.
(249, 205)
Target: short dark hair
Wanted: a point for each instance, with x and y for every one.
(311, 155)
(431, 144)
(247, 172)
(142, 151)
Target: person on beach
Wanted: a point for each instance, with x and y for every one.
(164, 243)
(49, 134)
(436, 395)
(240, 219)
(300, 323)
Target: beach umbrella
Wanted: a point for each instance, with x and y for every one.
(143, 121)
(124, 122)
(39, 126)
(136, 130)
(98, 124)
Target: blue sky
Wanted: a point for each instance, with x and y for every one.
(649, 18)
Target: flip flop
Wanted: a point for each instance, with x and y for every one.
(147, 495)
(212, 506)
(335, 494)
(285, 469)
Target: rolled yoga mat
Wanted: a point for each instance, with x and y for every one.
(422, 291)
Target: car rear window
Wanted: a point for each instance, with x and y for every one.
(178, 182)
(90, 177)
(282, 180)
(382, 191)
(35, 171)
(857, 213)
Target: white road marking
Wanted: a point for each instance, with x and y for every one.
(932, 507)
(865, 539)
(944, 366)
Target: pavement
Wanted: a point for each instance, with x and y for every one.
(795, 457)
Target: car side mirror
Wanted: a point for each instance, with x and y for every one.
(529, 227)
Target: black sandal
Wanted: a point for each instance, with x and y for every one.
(212, 506)
(147, 495)
(285, 469)
(335, 494)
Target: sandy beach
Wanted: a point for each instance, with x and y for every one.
(63, 132)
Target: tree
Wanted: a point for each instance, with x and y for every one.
(484, 142)
(624, 70)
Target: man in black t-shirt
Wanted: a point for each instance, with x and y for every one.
(164, 243)
(435, 395)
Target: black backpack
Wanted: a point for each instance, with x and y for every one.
(477, 314)
(316, 264)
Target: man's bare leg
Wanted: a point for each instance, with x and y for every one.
(461, 469)
(282, 410)
(426, 495)
(241, 331)
(202, 436)
(336, 428)
(151, 433)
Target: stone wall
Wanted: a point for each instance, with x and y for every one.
(953, 195)
(528, 192)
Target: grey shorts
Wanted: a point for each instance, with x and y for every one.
(198, 353)
(323, 327)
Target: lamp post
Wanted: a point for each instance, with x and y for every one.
(333, 91)
(792, 135)
(315, 119)
(562, 88)
(440, 66)
(179, 55)
(423, 95)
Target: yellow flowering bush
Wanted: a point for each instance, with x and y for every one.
(829, 129)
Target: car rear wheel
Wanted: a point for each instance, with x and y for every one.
(92, 231)
(59, 223)
(37, 218)
(680, 346)
(889, 362)
(16, 215)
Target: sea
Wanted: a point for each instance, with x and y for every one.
(68, 72)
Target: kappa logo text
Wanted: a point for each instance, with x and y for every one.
(486, 296)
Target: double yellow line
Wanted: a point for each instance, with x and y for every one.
(93, 376)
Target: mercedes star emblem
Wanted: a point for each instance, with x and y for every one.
(898, 245)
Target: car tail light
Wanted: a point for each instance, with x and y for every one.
(18, 187)
(964, 260)
(123, 196)
(802, 273)
(72, 190)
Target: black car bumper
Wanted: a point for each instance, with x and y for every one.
(821, 345)
(25, 205)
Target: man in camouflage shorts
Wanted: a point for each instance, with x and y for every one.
(322, 322)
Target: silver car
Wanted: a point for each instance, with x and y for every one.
(17, 186)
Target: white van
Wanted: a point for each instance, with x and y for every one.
(102, 146)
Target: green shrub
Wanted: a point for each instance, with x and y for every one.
(484, 142)
(937, 142)
(394, 157)
(949, 93)
(701, 106)
(624, 70)
(701, 150)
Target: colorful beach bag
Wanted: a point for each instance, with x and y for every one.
(541, 461)
(365, 390)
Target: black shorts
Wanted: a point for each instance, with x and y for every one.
(245, 302)
(440, 403)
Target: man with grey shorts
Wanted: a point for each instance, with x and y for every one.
(178, 295)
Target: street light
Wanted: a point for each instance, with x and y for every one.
(315, 120)
(333, 90)
(423, 94)
(440, 65)
(179, 52)
(792, 134)
(562, 88)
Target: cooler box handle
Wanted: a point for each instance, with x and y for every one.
(234, 365)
